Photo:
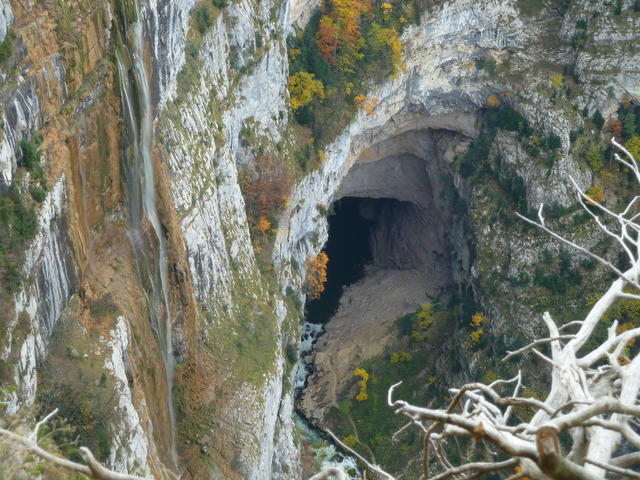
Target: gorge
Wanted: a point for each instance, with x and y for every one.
(160, 200)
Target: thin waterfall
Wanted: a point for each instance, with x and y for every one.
(141, 200)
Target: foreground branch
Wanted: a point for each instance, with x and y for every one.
(93, 468)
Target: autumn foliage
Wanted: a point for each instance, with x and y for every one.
(265, 188)
(595, 194)
(493, 101)
(316, 274)
(303, 87)
(364, 378)
(478, 321)
(368, 104)
(349, 47)
(339, 33)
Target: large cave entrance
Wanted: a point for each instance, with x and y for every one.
(378, 238)
(396, 241)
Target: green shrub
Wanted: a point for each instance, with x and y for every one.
(203, 19)
(553, 142)
(103, 306)
(30, 153)
(37, 194)
(87, 414)
(629, 125)
(221, 4)
(6, 48)
(579, 39)
(618, 9)
(13, 278)
(400, 357)
(488, 65)
(598, 120)
(506, 118)
(26, 222)
(291, 353)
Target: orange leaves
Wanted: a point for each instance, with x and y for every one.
(493, 101)
(316, 274)
(595, 194)
(338, 35)
(263, 226)
(327, 39)
(368, 104)
(614, 128)
(265, 188)
(519, 471)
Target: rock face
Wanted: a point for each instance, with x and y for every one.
(220, 105)
(6, 18)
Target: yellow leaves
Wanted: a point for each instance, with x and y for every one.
(633, 145)
(381, 39)
(364, 378)
(477, 319)
(303, 87)
(264, 225)
(368, 104)
(557, 79)
(476, 335)
(350, 441)
(625, 327)
(596, 194)
(386, 8)
(362, 373)
(294, 52)
(493, 101)
(422, 321)
(477, 322)
(316, 274)
(400, 357)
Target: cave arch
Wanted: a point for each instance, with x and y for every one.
(406, 187)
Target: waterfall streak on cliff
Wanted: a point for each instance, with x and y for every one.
(142, 193)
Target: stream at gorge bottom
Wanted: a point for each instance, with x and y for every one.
(349, 250)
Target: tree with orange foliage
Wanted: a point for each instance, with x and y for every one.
(493, 101)
(368, 104)
(614, 127)
(316, 274)
(263, 226)
(327, 39)
(338, 35)
(265, 188)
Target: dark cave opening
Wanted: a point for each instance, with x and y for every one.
(349, 250)
(356, 229)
